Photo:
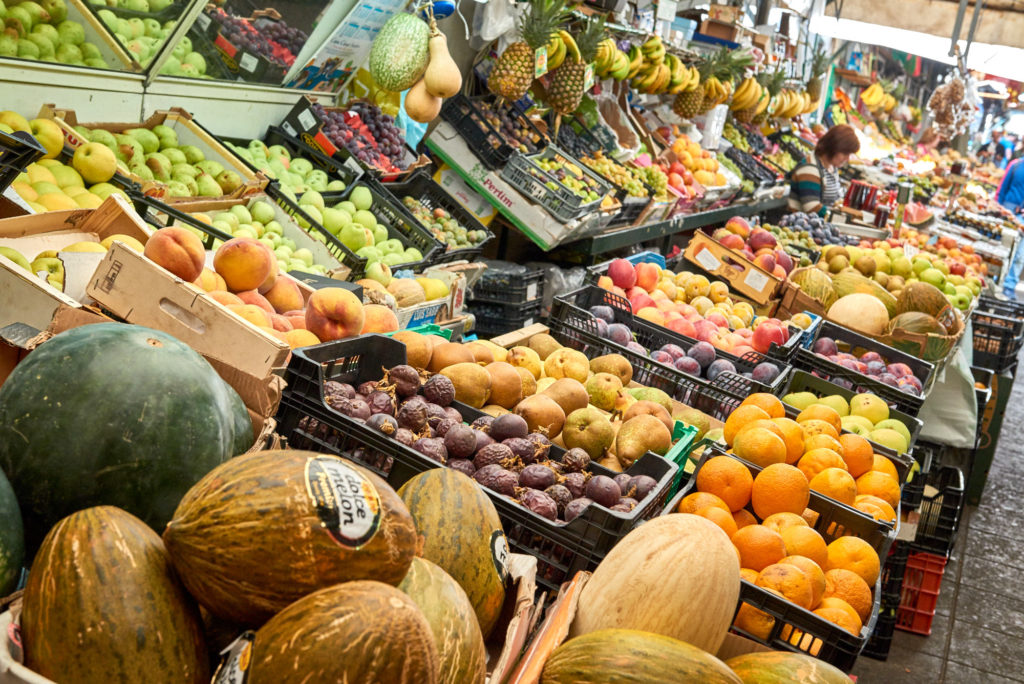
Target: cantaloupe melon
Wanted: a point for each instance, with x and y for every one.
(860, 312)
(648, 583)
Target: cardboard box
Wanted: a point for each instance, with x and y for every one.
(189, 133)
(26, 298)
(726, 13)
(723, 30)
(742, 275)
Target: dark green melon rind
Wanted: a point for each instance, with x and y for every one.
(12, 539)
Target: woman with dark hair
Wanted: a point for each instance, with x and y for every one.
(815, 181)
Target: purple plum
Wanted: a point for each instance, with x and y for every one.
(674, 350)
(602, 327)
(720, 366)
(911, 381)
(662, 357)
(688, 365)
(900, 370)
(825, 346)
(765, 373)
(605, 313)
(635, 346)
(619, 334)
(703, 353)
(870, 356)
(875, 367)
(889, 379)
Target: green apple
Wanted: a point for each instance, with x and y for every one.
(380, 233)
(365, 218)
(279, 151)
(258, 227)
(228, 217)
(95, 162)
(105, 190)
(335, 220)
(312, 198)
(393, 259)
(196, 60)
(361, 197)
(245, 231)
(283, 253)
(800, 400)
(335, 186)
(369, 253)
(15, 256)
(304, 255)
(301, 166)
(225, 227)
(152, 28)
(317, 180)
(893, 424)
(67, 177)
(392, 246)
(139, 50)
(380, 272)
(353, 236)
(288, 242)
(347, 206)
(179, 51)
(242, 214)
(275, 228)
(268, 242)
(262, 212)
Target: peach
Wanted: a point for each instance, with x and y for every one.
(765, 334)
(738, 225)
(256, 299)
(226, 298)
(718, 319)
(276, 334)
(244, 263)
(210, 280)
(651, 314)
(647, 276)
(280, 323)
(779, 272)
(766, 262)
(379, 319)
(605, 283)
(285, 295)
(251, 313)
(270, 279)
(178, 251)
(622, 274)
(619, 291)
(333, 313)
(732, 241)
(683, 327)
(300, 338)
(297, 318)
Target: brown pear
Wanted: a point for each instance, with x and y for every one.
(649, 408)
(495, 410)
(542, 414)
(639, 435)
(603, 389)
(529, 382)
(697, 419)
(472, 383)
(616, 364)
(588, 429)
(567, 363)
(481, 353)
(418, 348)
(569, 394)
(448, 354)
(527, 358)
(544, 345)
(506, 384)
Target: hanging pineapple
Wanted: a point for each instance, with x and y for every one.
(818, 65)
(688, 103)
(566, 89)
(513, 72)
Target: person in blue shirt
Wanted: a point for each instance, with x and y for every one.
(998, 150)
(1011, 196)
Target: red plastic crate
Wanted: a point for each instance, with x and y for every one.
(922, 581)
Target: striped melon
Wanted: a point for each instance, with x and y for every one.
(399, 54)
(782, 667)
(462, 534)
(610, 656)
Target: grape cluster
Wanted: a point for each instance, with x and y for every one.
(281, 33)
(656, 178)
(368, 133)
(241, 33)
(622, 176)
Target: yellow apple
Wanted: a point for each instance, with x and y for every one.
(67, 177)
(84, 246)
(25, 191)
(95, 162)
(128, 241)
(87, 200)
(49, 135)
(57, 201)
(15, 121)
(37, 174)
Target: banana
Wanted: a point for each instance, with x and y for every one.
(621, 67)
(636, 60)
(664, 76)
(763, 103)
(556, 58)
(746, 95)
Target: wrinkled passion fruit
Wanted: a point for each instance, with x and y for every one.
(603, 490)
(494, 454)
(406, 380)
(483, 423)
(623, 479)
(541, 444)
(538, 502)
(575, 507)
(442, 427)
(482, 439)
(522, 448)
(404, 435)
(431, 448)
(560, 495)
(464, 466)
(382, 422)
(354, 408)
(460, 441)
(639, 487)
(576, 460)
(435, 414)
(337, 390)
(507, 426)
(497, 479)
(367, 388)
(439, 390)
(576, 483)
(381, 402)
(413, 416)
(537, 476)
(453, 414)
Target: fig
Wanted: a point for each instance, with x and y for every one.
(439, 390)
(367, 388)
(382, 422)
(460, 441)
(576, 460)
(406, 380)
(431, 448)
(576, 483)
(639, 487)
(381, 402)
(507, 426)
(496, 478)
(404, 435)
(413, 416)
(522, 448)
(538, 502)
(482, 439)
(537, 476)
(603, 490)
(494, 453)
(575, 507)
(560, 495)
(463, 465)
(483, 423)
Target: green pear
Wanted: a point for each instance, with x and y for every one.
(176, 189)
(209, 166)
(229, 181)
(128, 148)
(174, 155)
(15, 256)
(208, 186)
(192, 154)
(29, 50)
(145, 137)
(183, 170)
(72, 32)
(335, 186)
(44, 45)
(141, 170)
(167, 137)
(242, 213)
(160, 165)
(109, 19)
(104, 138)
(172, 67)
(57, 9)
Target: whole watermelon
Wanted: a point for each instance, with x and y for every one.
(12, 539)
(112, 414)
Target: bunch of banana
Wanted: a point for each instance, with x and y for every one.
(558, 48)
(888, 102)
(682, 75)
(653, 79)
(654, 51)
(873, 95)
(789, 103)
(716, 92)
(747, 95)
(610, 61)
(636, 61)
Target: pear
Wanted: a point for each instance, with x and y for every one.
(145, 137)
(167, 137)
(193, 155)
(588, 429)
(207, 186)
(641, 434)
(229, 181)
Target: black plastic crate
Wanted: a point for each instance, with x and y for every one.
(800, 381)
(497, 319)
(572, 311)
(308, 422)
(487, 142)
(423, 188)
(850, 342)
(982, 396)
(173, 216)
(504, 287)
(913, 491)
(524, 173)
(940, 514)
(997, 337)
(796, 629)
(1008, 308)
(17, 151)
(893, 568)
(878, 646)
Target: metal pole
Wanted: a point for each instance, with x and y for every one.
(957, 25)
(978, 4)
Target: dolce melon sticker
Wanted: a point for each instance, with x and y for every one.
(346, 502)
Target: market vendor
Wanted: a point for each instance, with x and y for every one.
(815, 180)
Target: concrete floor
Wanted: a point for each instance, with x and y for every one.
(978, 632)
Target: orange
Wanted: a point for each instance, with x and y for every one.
(875, 507)
(883, 465)
(823, 441)
(719, 517)
(750, 575)
(857, 453)
(769, 403)
(728, 479)
(743, 517)
(815, 575)
(779, 488)
(881, 485)
(793, 436)
(782, 521)
(851, 588)
(692, 503)
(769, 425)
(817, 460)
(739, 418)
(806, 542)
(841, 618)
(759, 547)
(790, 581)
(754, 622)
(836, 602)
(821, 412)
(835, 483)
(856, 555)
(760, 446)
(818, 427)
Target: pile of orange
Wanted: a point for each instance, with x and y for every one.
(778, 548)
(841, 466)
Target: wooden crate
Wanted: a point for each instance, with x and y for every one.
(742, 275)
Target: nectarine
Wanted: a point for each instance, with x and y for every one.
(256, 299)
(178, 251)
(334, 313)
(244, 263)
(300, 338)
(285, 295)
(379, 319)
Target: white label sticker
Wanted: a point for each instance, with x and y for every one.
(708, 260)
(235, 661)
(531, 291)
(528, 322)
(756, 280)
(307, 119)
(288, 128)
(248, 63)
(499, 550)
(346, 502)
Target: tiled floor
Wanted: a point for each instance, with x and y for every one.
(978, 632)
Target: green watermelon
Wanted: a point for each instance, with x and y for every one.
(12, 539)
(399, 54)
(113, 414)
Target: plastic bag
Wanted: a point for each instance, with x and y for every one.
(493, 18)
(558, 281)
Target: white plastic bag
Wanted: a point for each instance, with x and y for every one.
(493, 18)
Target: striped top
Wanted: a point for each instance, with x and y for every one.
(813, 189)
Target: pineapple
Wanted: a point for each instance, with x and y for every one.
(819, 63)
(566, 89)
(689, 102)
(513, 72)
